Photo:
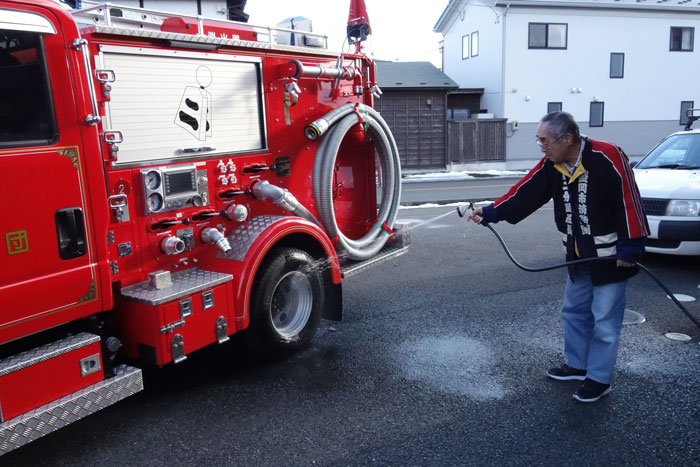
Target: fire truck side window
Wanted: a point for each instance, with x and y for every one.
(26, 109)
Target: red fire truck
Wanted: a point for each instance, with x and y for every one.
(167, 182)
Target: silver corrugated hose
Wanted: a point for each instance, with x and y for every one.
(282, 198)
(336, 124)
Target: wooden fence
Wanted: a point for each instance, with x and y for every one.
(476, 141)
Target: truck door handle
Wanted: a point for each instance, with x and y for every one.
(70, 231)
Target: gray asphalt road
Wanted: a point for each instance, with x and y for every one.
(476, 189)
(440, 360)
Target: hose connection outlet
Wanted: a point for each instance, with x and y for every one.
(282, 198)
(315, 130)
(236, 212)
(212, 235)
(172, 245)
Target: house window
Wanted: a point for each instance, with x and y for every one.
(685, 106)
(475, 43)
(547, 36)
(465, 47)
(682, 39)
(596, 118)
(553, 107)
(617, 65)
(458, 114)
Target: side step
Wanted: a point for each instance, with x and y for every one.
(397, 246)
(68, 409)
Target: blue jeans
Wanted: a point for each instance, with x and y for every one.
(592, 318)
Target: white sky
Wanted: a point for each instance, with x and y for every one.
(402, 29)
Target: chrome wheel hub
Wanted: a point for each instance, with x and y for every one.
(292, 301)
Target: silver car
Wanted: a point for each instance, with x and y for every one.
(669, 182)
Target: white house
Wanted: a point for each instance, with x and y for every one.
(625, 69)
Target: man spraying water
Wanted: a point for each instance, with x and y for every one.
(598, 210)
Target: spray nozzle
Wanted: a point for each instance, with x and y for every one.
(464, 209)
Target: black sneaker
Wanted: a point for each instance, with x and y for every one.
(566, 373)
(591, 391)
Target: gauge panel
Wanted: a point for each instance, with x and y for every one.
(176, 187)
(152, 180)
(155, 202)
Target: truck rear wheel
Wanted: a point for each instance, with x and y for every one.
(286, 302)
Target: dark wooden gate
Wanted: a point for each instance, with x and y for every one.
(417, 120)
(476, 140)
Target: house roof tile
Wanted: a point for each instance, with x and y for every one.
(412, 75)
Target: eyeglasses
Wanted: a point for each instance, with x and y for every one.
(544, 144)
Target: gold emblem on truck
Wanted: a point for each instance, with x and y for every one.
(17, 242)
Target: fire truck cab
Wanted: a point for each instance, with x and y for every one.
(168, 182)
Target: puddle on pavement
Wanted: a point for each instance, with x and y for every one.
(453, 364)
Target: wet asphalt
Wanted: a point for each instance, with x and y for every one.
(439, 361)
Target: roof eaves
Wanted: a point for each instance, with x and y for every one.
(448, 13)
(597, 5)
(418, 88)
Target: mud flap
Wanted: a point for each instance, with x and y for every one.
(334, 301)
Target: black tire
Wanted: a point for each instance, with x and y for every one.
(286, 302)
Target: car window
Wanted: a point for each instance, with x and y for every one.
(677, 151)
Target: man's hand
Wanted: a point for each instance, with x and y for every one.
(624, 264)
(476, 215)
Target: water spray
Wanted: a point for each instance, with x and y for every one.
(467, 208)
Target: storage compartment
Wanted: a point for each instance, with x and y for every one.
(36, 377)
(162, 325)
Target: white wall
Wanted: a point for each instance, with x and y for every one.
(655, 79)
(484, 70)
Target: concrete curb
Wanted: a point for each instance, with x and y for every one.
(460, 179)
(446, 202)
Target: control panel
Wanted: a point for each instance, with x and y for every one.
(227, 173)
(170, 188)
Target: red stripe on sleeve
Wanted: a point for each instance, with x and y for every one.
(514, 189)
(636, 225)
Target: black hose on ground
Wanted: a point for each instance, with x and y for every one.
(587, 260)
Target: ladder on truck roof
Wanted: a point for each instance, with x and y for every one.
(112, 18)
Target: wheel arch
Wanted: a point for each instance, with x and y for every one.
(291, 232)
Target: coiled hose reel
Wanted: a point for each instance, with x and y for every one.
(333, 127)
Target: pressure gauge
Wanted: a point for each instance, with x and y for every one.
(152, 180)
(155, 202)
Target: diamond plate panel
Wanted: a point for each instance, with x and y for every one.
(46, 352)
(243, 237)
(59, 413)
(185, 283)
(350, 268)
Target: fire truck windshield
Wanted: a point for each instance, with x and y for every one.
(26, 109)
